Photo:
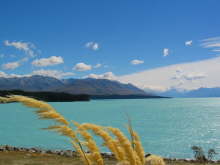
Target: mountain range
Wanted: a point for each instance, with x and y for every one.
(98, 88)
(95, 87)
(200, 92)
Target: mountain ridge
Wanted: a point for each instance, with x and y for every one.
(73, 86)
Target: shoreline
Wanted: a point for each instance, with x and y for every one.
(72, 153)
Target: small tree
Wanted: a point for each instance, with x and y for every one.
(211, 154)
(199, 154)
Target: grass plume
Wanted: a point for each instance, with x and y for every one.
(91, 145)
(125, 144)
(109, 141)
(136, 142)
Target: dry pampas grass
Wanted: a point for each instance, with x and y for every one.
(126, 152)
(109, 141)
(154, 160)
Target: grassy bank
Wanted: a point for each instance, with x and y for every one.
(27, 158)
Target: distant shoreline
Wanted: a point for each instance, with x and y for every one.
(47, 96)
(66, 97)
(103, 97)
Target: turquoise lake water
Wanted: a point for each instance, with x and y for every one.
(168, 127)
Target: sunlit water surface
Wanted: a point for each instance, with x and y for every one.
(168, 127)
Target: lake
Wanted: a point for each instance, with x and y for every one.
(168, 127)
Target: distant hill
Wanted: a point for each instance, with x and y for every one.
(204, 92)
(173, 93)
(94, 87)
(201, 92)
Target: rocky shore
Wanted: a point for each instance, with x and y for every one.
(71, 153)
(67, 153)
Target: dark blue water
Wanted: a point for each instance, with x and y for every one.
(168, 127)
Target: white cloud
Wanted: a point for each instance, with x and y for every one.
(82, 67)
(97, 65)
(52, 73)
(188, 43)
(165, 52)
(189, 76)
(53, 60)
(211, 45)
(181, 75)
(92, 45)
(11, 65)
(107, 75)
(15, 64)
(137, 62)
(154, 89)
(19, 45)
(27, 47)
(194, 76)
(3, 74)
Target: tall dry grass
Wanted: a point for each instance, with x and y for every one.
(126, 152)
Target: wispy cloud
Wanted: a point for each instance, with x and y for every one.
(136, 62)
(11, 65)
(27, 47)
(92, 45)
(211, 39)
(14, 65)
(43, 62)
(165, 52)
(211, 43)
(97, 66)
(188, 43)
(191, 76)
(82, 67)
(216, 50)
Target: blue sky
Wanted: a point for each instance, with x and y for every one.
(109, 38)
